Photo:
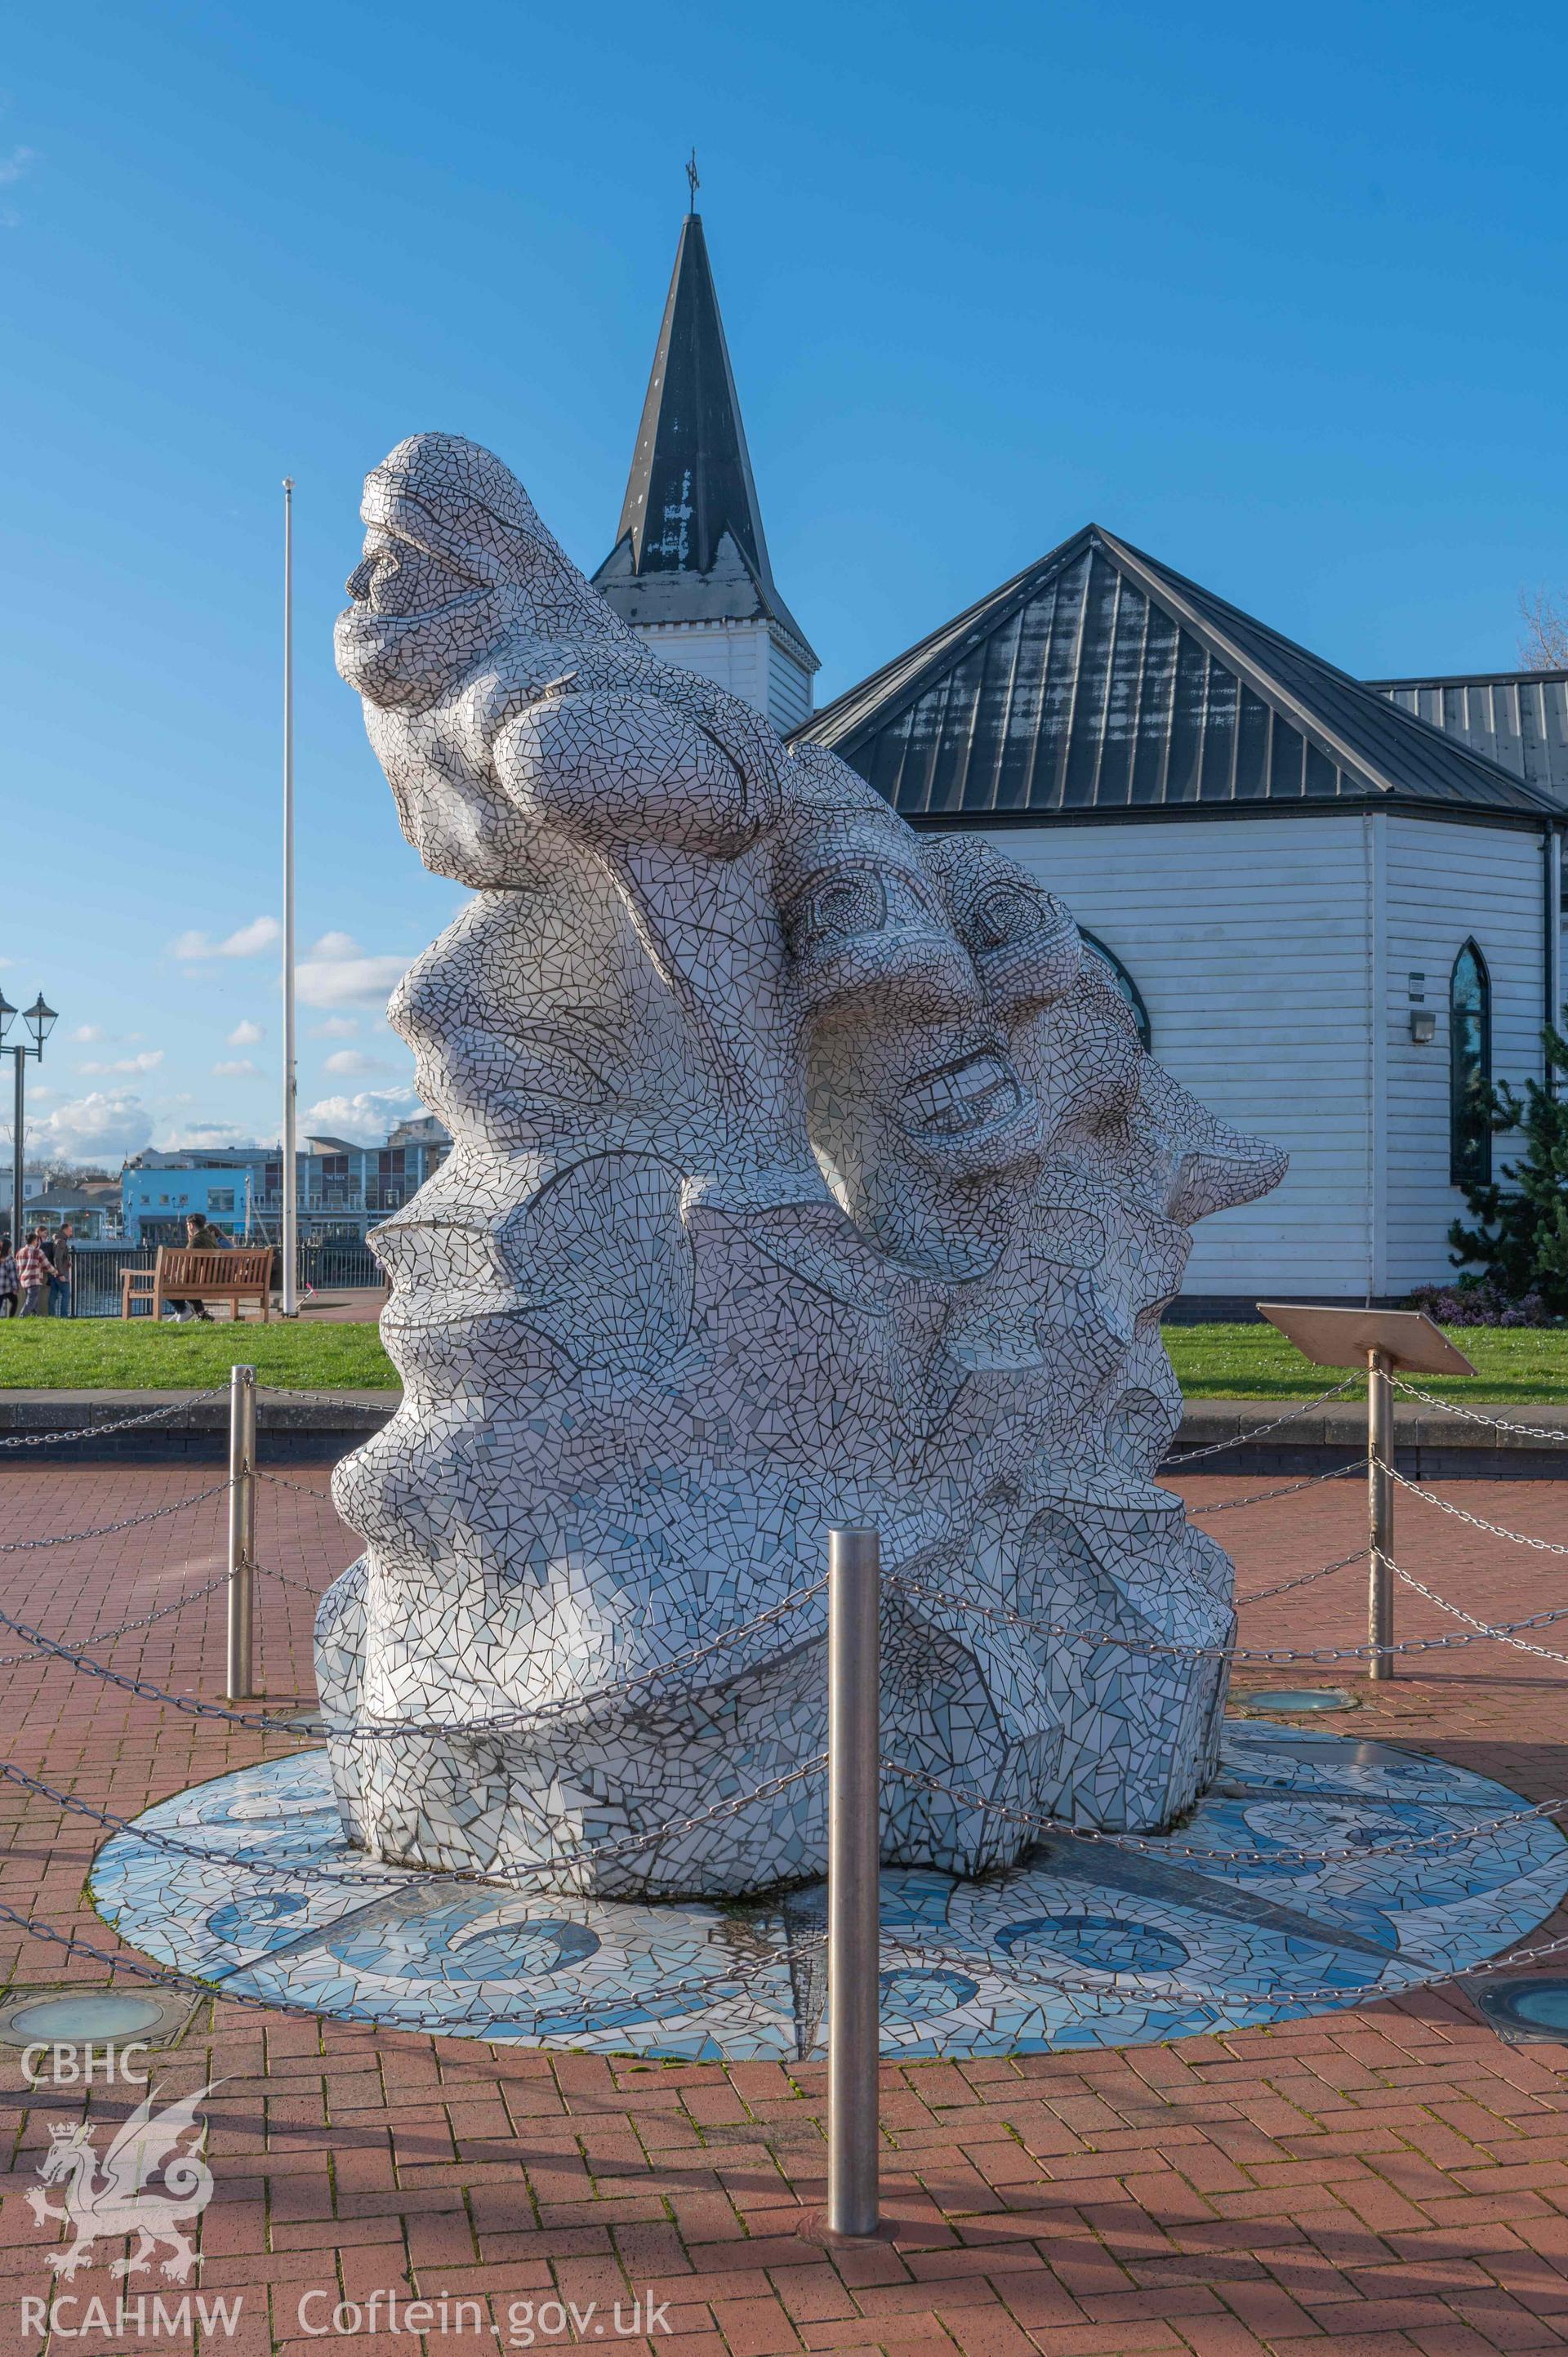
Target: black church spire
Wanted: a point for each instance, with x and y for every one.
(691, 491)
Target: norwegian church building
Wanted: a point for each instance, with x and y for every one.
(1334, 904)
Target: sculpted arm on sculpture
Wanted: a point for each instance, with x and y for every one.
(618, 766)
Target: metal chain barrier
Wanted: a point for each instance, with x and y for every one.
(286, 1579)
(1273, 1655)
(901, 1584)
(1145, 1984)
(107, 1636)
(1474, 1415)
(1302, 1579)
(414, 1877)
(322, 1497)
(1476, 1522)
(361, 1731)
(1479, 1632)
(1521, 1644)
(1303, 1407)
(109, 1530)
(1162, 1847)
(1229, 1505)
(170, 1977)
(96, 1431)
(1142, 1984)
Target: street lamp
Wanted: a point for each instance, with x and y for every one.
(41, 1020)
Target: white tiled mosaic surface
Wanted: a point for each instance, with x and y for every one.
(805, 1172)
(969, 1967)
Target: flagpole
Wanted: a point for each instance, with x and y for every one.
(290, 1083)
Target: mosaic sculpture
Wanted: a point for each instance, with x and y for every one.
(805, 1171)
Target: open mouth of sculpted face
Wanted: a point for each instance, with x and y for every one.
(962, 1099)
(399, 581)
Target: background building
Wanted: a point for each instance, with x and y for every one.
(1335, 922)
(1334, 904)
(35, 1180)
(344, 1189)
(90, 1202)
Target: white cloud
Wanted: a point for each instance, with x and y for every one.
(103, 1125)
(353, 1064)
(237, 1068)
(261, 934)
(85, 1034)
(336, 972)
(204, 1133)
(147, 1060)
(364, 1119)
(335, 1027)
(245, 1034)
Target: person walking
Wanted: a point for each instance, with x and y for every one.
(33, 1276)
(60, 1245)
(7, 1279)
(200, 1236)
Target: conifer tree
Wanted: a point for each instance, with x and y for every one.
(1519, 1239)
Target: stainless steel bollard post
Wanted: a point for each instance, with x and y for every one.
(854, 1744)
(242, 1530)
(1379, 1510)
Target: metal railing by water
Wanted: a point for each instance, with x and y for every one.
(326, 1264)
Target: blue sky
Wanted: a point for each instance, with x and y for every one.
(1277, 295)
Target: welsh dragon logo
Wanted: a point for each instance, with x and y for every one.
(108, 2195)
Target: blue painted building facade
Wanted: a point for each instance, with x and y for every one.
(343, 1188)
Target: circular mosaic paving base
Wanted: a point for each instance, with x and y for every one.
(1085, 1945)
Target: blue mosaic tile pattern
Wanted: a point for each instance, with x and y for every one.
(970, 1968)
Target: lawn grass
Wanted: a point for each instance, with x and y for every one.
(1523, 1364)
(1211, 1362)
(135, 1355)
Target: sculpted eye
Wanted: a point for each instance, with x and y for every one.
(838, 907)
(395, 578)
(999, 916)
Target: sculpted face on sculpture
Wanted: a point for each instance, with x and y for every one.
(804, 1172)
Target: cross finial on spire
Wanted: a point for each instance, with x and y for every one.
(691, 179)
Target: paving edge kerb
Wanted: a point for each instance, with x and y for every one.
(318, 1429)
(290, 1428)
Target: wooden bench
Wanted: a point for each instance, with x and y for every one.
(242, 1275)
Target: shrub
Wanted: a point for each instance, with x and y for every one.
(1519, 1239)
(1477, 1303)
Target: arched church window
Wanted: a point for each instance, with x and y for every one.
(1125, 985)
(1469, 1069)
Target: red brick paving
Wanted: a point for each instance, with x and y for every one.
(1390, 2179)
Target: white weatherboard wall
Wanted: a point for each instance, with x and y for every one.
(1446, 885)
(1250, 942)
(742, 656)
(1258, 946)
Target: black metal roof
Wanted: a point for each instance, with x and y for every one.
(691, 491)
(1519, 718)
(1098, 684)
